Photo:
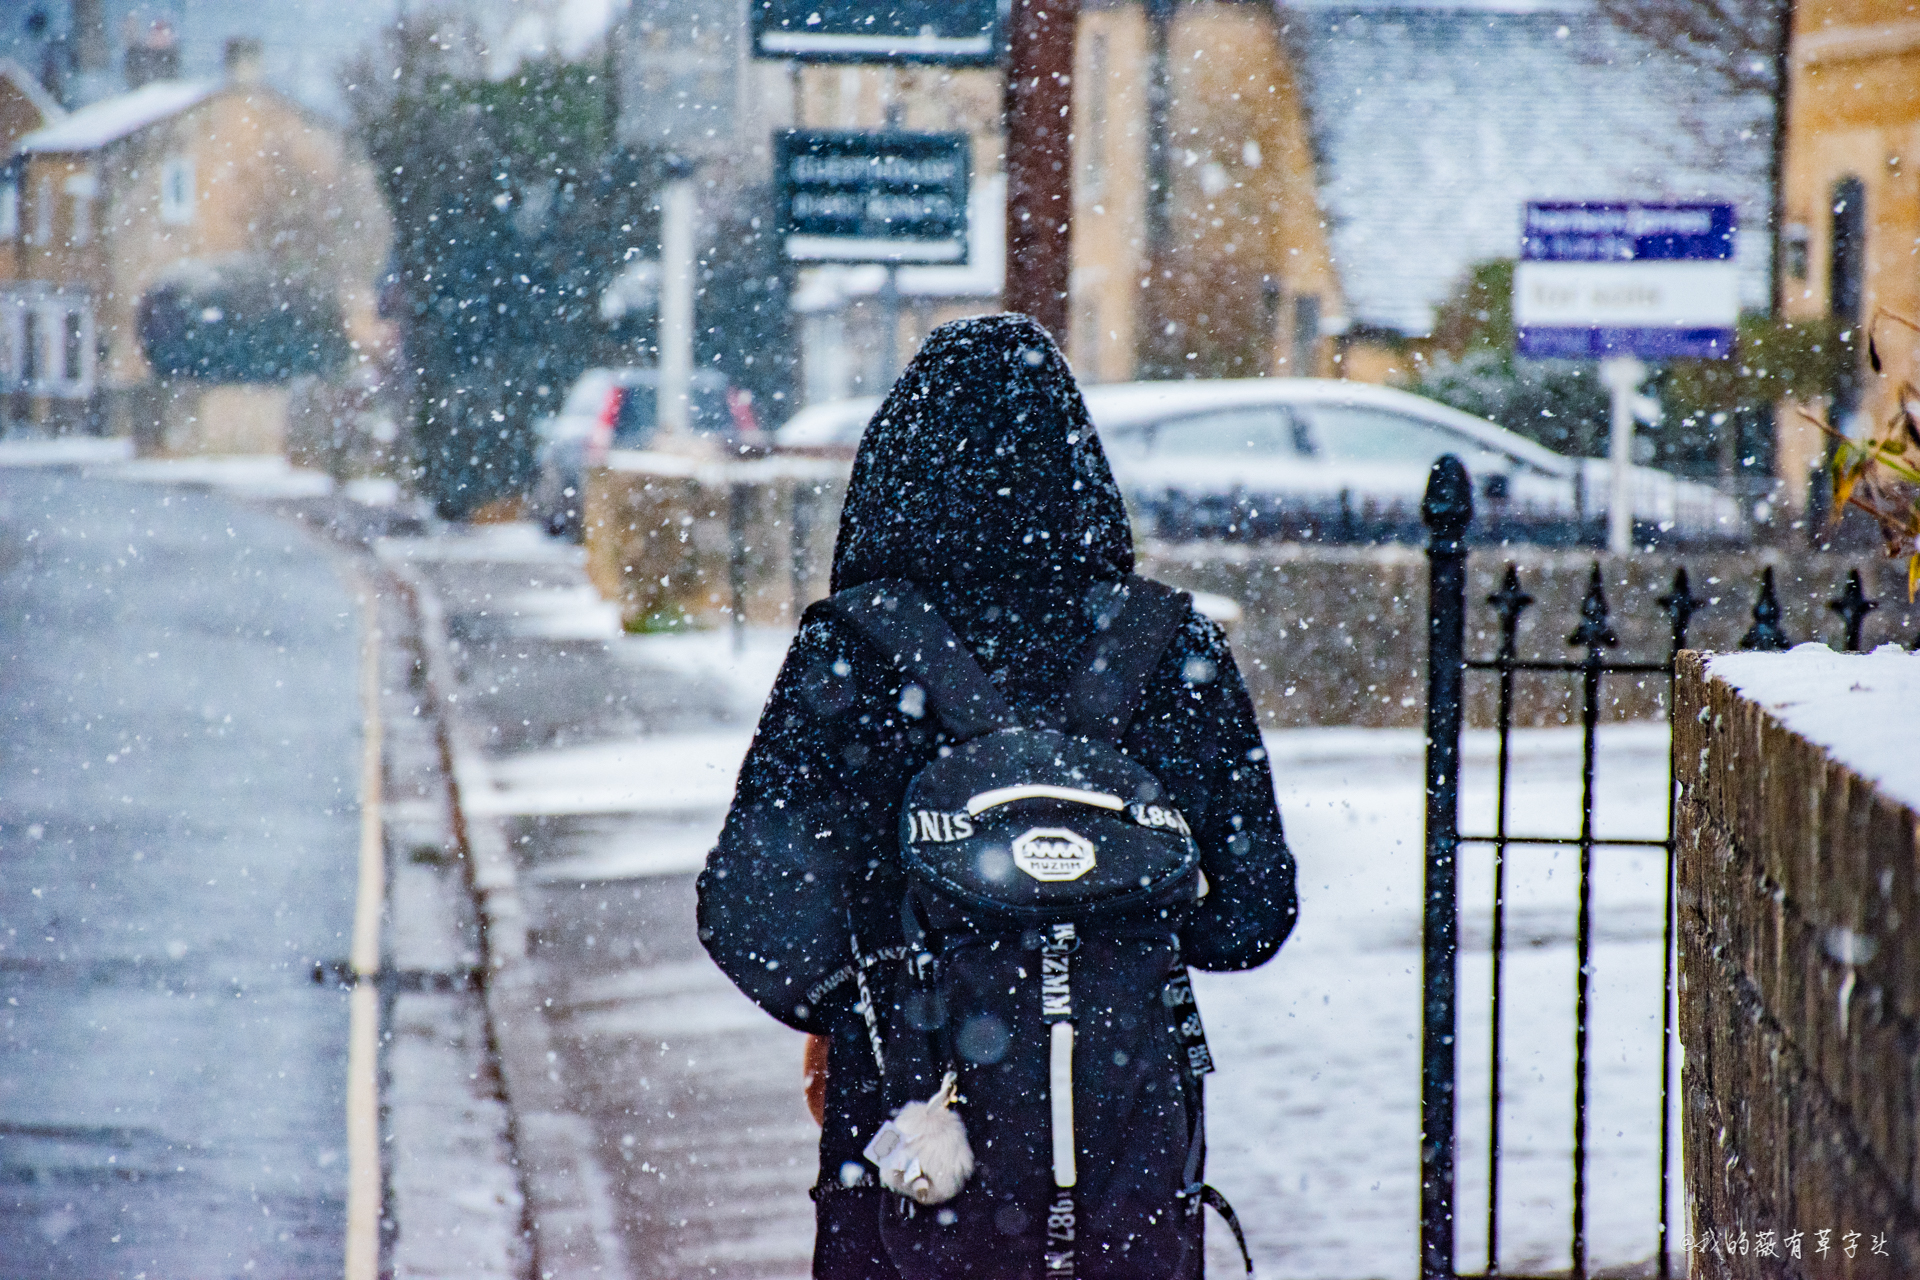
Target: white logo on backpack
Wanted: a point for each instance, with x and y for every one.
(1053, 854)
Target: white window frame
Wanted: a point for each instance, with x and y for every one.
(53, 312)
(177, 193)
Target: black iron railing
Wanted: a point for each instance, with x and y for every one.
(1447, 513)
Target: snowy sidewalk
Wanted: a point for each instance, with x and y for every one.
(611, 760)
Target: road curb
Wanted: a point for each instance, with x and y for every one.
(567, 1194)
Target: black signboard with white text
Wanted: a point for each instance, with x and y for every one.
(955, 32)
(851, 196)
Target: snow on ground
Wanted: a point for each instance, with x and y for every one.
(1315, 1111)
(262, 476)
(511, 542)
(746, 664)
(62, 451)
(1849, 703)
(253, 475)
(678, 774)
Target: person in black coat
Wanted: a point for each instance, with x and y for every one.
(981, 480)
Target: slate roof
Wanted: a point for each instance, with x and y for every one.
(1435, 124)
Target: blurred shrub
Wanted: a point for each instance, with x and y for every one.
(1712, 408)
(240, 321)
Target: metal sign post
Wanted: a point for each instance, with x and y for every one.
(1621, 283)
(1621, 376)
(677, 266)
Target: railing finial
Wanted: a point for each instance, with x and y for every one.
(1765, 633)
(1681, 604)
(1593, 633)
(1510, 601)
(1853, 604)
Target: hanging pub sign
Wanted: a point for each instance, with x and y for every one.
(954, 32)
(853, 196)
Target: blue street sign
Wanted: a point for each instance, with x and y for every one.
(1655, 281)
(953, 32)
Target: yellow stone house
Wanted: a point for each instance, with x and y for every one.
(1851, 201)
(176, 179)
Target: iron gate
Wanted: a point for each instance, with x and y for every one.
(1447, 511)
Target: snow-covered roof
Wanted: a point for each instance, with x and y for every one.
(115, 118)
(32, 90)
(1435, 124)
(825, 288)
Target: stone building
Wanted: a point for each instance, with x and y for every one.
(1329, 171)
(1199, 245)
(174, 180)
(1851, 201)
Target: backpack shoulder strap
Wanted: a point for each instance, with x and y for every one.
(892, 617)
(1108, 689)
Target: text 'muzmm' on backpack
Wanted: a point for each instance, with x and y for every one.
(1041, 993)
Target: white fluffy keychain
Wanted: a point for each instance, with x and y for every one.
(922, 1153)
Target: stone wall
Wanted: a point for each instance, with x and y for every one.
(1328, 634)
(1799, 987)
(668, 536)
(1337, 635)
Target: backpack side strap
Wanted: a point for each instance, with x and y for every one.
(910, 633)
(1219, 1202)
(1103, 697)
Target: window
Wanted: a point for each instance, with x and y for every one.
(176, 191)
(635, 419)
(1098, 76)
(46, 341)
(30, 349)
(1256, 432)
(82, 187)
(1358, 433)
(43, 212)
(73, 352)
(1306, 335)
(1847, 284)
(9, 209)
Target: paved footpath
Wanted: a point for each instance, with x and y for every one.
(606, 763)
(607, 769)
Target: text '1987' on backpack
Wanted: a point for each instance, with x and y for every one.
(1038, 1044)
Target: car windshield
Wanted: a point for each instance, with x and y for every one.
(640, 411)
(1266, 431)
(1359, 433)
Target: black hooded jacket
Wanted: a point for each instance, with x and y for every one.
(981, 480)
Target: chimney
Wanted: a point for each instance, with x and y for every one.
(90, 37)
(244, 62)
(152, 55)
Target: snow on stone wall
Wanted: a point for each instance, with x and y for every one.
(1798, 883)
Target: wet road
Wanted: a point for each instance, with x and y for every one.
(179, 755)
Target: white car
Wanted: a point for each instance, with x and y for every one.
(1312, 458)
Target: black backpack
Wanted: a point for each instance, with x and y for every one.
(1048, 876)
